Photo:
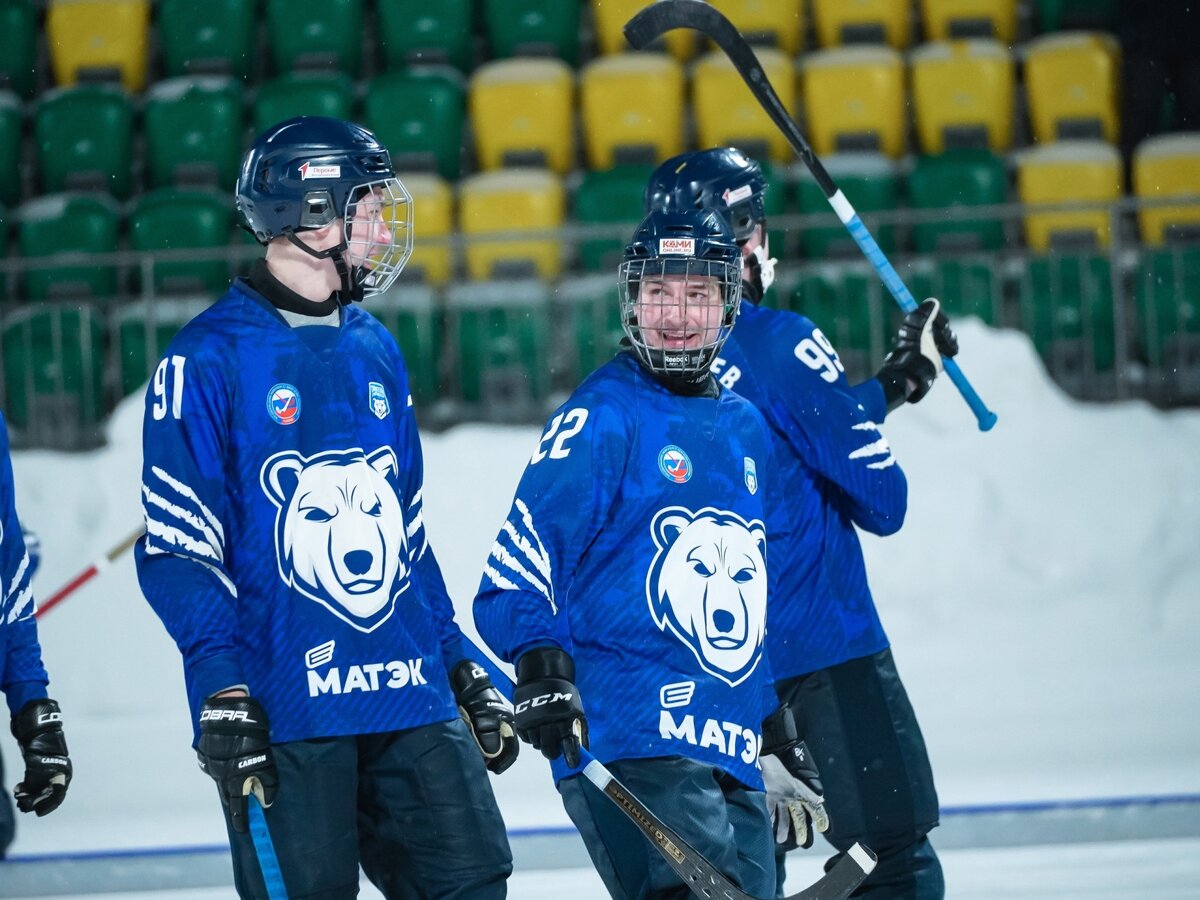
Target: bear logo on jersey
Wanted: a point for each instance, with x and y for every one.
(708, 585)
(340, 537)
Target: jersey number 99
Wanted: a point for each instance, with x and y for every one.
(818, 354)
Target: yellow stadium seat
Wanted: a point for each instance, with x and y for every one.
(945, 19)
(98, 40)
(1069, 172)
(1072, 81)
(632, 106)
(854, 100)
(963, 95)
(522, 113)
(1168, 165)
(610, 17)
(863, 22)
(433, 223)
(776, 23)
(726, 112)
(507, 201)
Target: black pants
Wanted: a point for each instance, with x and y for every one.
(862, 732)
(8, 823)
(414, 807)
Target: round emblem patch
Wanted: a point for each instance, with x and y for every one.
(283, 403)
(674, 464)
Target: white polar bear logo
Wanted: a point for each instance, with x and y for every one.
(708, 584)
(340, 537)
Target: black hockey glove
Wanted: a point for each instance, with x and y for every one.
(549, 714)
(487, 714)
(38, 729)
(795, 797)
(235, 749)
(909, 370)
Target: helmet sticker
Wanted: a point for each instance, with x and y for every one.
(308, 170)
(736, 195)
(677, 246)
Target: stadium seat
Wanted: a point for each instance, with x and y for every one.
(83, 138)
(954, 179)
(966, 286)
(1069, 172)
(947, 19)
(613, 198)
(523, 114)
(10, 146)
(863, 22)
(53, 359)
(1056, 15)
(854, 100)
(418, 115)
(849, 304)
(771, 23)
(507, 201)
(532, 28)
(963, 95)
(215, 37)
(1167, 166)
(303, 94)
(183, 219)
(410, 312)
(143, 329)
(315, 34)
(432, 257)
(590, 308)
(727, 113)
(99, 40)
(871, 184)
(632, 107)
(53, 226)
(609, 18)
(193, 129)
(1072, 84)
(499, 338)
(18, 47)
(417, 31)
(1168, 303)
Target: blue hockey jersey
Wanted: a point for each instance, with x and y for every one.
(637, 542)
(837, 472)
(22, 675)
(285, 547)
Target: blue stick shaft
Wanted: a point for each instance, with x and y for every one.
(264, 849)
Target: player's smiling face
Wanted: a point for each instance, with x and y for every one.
(679, 312)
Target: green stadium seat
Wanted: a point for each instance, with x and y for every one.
(18, 47)
(953, 179)
(303, 94)
(968, 286)
(417, 31)
(143, 329)
(10, 146)
(193, 129)
(533, 28)
(182, 219)
(215, 37)
(418, 115)
(53, 360)
(315, 34)
(589, 307)
(84, 139)
(500, 339)
(612, 197)
(4, 289)
(869, 181)
(1168, 304)
(1057, 15)
(850, 305)
(410, 313)
(55, 226)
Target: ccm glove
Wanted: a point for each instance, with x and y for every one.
(548, 712)
(909, 370)
(487, 714)
(235, 749)
(795, 797)
(38, 729)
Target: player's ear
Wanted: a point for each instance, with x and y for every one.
(281, 475)
(385, 463)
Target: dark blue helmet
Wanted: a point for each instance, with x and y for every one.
(309, 171)
(722, 178)
(680, 288)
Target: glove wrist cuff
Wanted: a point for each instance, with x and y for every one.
(35, 717)
(466, 675)
(779, 732)
(545, 662)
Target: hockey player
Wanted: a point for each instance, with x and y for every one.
(827, 646)
(286, 552)
(36, 720)
(629, 585)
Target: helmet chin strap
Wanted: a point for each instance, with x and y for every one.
(760, 272)
(352, 288)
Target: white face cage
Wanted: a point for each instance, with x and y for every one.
(678, 313)
(379, 232)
